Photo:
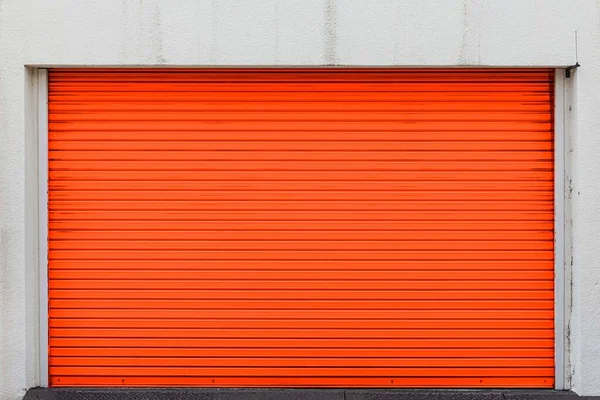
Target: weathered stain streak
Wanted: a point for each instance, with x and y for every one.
(156, 35)
(214, 48)
(330, 55)
(276, 14)
(462, 57)
(468, 44)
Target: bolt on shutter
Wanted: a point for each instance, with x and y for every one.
(301, 227)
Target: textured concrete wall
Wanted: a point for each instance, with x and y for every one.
(289, 32)
(585, 206)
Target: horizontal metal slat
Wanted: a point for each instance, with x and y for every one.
(323, 352)
(304, 313)
(332, 215)
(172, 305)
(189, 155)
(323, 294)
(346, 75)
(315, 185)
(304, 166)
(282, 255)
(304, 371)
(416, 196)
(512, 380)
(431, 98)
(500, 266)
(201, 177)
(220, 145)
(293, 285)
(508, 104)
(366, 125)
(342, 344)
(136, 323)
(292, 333)
(304, 225)
(464, 235)
(269, 118)
(277, 363)
(438, 86)
(369, 274)
(300, 245)
(304, 139)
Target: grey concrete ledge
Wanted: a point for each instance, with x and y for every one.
(295, 394)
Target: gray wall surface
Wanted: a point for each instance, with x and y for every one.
(288, 33)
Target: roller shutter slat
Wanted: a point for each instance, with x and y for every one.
(294, 285)
(292, 275)
(291, 255)
(249, 372)
(265, 266)
(360, 353)
(292, 333)
(312, 381)
(324, 294)
(382, 176)
(80, 234)
(275, 166)
(306, 343)
(299, 362)
(304, 314)
(289, 225)
(144, 305)
(342, 195)
(304, 156)
(298, 324)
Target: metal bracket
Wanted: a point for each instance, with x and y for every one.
(568, 69)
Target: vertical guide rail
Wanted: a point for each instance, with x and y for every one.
(42, 100)
(559, 229)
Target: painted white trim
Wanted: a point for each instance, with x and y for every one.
(42, 98)
(309, 66)
(559, 230)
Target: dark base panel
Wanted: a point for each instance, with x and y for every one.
(295, 394)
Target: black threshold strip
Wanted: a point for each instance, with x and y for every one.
(297, 394)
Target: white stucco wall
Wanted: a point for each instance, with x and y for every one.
(290, 32)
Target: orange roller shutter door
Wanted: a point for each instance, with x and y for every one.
(301, 227)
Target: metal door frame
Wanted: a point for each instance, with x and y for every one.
(562, 276)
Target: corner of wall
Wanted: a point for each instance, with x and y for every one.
(31, 227)
(572, 373)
